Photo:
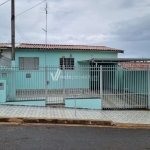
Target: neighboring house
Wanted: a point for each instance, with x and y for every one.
(5, 54)
(4, 61)
(5, 50)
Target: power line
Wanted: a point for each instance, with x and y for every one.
(4, 2)
(21, 34)
(30, 8)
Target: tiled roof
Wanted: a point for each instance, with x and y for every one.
(5, 45)
(67, 47)
(135, 65)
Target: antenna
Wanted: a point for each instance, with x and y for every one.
(45, 30)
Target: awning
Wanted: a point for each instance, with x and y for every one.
(114, 60)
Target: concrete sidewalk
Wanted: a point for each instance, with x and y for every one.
(116, 116)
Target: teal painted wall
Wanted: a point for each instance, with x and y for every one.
(94, 103)
(73, 79)
(8, 79)
(3, 92)
(27, 103)
(136, 81)
(53, 56)
(132, 81)
(37, 80)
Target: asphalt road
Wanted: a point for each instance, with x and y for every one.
(23, 137)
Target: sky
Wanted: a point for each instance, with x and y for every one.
(121, 24)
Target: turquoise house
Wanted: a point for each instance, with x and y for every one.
(52, 68)
(53, 53)
(30, 58)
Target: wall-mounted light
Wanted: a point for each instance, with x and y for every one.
(63, 56)
(70, 55)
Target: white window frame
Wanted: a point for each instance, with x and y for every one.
(28, 63)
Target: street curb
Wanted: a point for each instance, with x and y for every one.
(55, 121)
(88, 122)
(131, 125)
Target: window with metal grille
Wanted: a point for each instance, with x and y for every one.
(28, 63)
(67, 62)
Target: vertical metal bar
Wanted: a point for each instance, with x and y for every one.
(149, 87)
(123, 89)
(144, 89)
(114, 82)
(135, 92)
(63, 83)
(13, 83)
(139, 88)
(129, 78)
(101, 86)
(75, 104)
(117, 82)
(125, 86)
(98, 80)
(46, 83)
(144, 84)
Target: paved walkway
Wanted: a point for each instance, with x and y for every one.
(118, 116)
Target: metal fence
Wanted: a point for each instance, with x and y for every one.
(4, 61)
(117, 87)
(125, 88)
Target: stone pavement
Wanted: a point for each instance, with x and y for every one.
(117, 116)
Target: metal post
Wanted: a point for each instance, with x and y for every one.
(101, 85)
(13, 28)
(75, 104)
(46, 83)
(46, 23)
(124, 92)
(149, 87)
(63, 83)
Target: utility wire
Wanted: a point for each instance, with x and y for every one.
(21, 34)
(4, 2)
(30, 8)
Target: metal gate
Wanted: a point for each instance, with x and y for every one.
(55, 85)
(125, 87)
(77, 80)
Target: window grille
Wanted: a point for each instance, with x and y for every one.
(67, 62)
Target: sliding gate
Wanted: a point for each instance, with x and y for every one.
(125, 88)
